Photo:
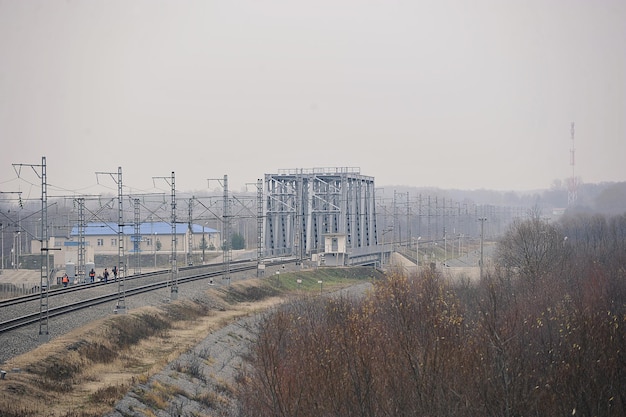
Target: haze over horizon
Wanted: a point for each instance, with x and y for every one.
(444, 94)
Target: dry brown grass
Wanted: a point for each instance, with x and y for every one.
(85, 372)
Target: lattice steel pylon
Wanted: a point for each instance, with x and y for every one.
(190, 232)
(227, 249)
(298, 241)
(572, 189)
(44, 281)
(121, 268)
(81, 238)
(174, 268)
(44, 333)
(137, 236)
(120, 308)
(173, 282)
(259, 225)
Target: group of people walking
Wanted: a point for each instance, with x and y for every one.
(65, 280)
(106, 275)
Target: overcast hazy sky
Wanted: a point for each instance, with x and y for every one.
(445, 93)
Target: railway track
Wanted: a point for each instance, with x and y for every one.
(142, 285)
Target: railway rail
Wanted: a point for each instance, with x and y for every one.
(193, 273)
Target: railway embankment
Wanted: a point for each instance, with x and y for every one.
(164, 359)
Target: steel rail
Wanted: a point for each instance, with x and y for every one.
(33, 318)
(89, 285)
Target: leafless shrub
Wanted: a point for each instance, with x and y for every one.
(205, 352)
(543, 338)
(193, 367)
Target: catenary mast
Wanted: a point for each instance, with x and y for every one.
(572, 190)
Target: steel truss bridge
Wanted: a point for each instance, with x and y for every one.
(303, 205)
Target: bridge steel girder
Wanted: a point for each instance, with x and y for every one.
(302, 205)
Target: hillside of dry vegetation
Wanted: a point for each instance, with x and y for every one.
(542, 334)
(84, 373)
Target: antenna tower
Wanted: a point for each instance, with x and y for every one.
(572, 192)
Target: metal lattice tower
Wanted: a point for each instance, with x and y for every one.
(190, 234)
(401, 209)
(482, 221)
(137, 236)
(397, 229)
(259, 223)
(419, 215)
(81, 238)
(227, 235)
(428, 220)
(3, 226)
(298, 242)
(302, 205)
(44, 281)
(121, 268)
(173, 281)
(174, 269)
(394, 219)
(572, 191)
(408, 220)
(444, 217)
(44, 333)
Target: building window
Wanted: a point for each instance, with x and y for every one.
(113, 242)
(148, 241)
(335, 245)
(100, 242)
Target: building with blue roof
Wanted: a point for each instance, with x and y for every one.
(102, 238)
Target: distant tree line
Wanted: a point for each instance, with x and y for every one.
(542, 334)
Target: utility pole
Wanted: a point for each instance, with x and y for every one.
(137, 238)
(572, 194)
(482, 238)
(81, 239)
(259, 227)
(190, 232)
(2, 259)
(121, 268)
(44, 334)
(227, 253)
(417, 255)
(226, 227)
(174, 270)
(3, 226)
(445, 243)
(173, 284)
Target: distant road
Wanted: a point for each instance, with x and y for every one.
(468, 265)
